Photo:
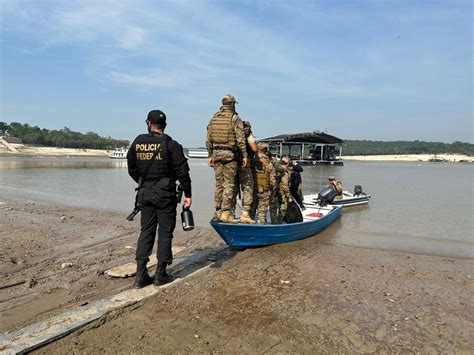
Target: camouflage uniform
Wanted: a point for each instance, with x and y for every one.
(265, 182)
(337, 185)
(245, 179)
(225, 134)
(285, 194)
(275, 194)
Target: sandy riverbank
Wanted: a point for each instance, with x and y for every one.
(409, 157)
(33, 151)
(310, 296)
(26, 150)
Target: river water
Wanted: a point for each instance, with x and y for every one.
(418, 207)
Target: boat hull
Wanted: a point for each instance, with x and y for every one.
(347, 200)
(241, 236)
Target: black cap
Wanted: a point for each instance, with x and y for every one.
(156, 116)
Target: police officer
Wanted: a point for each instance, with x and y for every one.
(156, 161)
(245, 180)
(295, 184)
(336, 185)
(264, 181)
(275, 198)
(284, 189)
(225, 140)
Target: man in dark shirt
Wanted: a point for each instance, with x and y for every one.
(155, 162)
(295, 184)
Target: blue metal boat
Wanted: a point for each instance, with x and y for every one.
(241, 236)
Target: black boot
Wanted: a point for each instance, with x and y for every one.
(161, 276)
(142, 278)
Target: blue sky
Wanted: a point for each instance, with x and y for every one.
(380, 70)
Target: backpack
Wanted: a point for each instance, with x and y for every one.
(293, 213)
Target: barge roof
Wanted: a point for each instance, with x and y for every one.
(306, 137)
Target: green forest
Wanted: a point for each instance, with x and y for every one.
(63, 138)
(365, 147)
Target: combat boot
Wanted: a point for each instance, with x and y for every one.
(217, 214)
(142, 278)
(161, 276)
(245, 218)
(226, 217)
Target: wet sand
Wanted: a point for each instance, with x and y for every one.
(309, 296)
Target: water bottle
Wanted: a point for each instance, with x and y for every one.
(187, 219)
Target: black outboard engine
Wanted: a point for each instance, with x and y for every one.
(358, 190)
(326, 195)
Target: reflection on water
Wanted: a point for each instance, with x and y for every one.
(62, 163)
(415, 206)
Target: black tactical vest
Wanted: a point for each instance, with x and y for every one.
(145, 146)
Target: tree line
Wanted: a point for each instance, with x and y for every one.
(366, 147)
(63, 138)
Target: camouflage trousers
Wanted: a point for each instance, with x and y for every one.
(283, 208)
(244, 182)
(274, 205)
(225, 184)
(263, 201)
(253, 206)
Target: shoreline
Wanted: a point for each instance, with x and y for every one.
(33, 151)
(263, 299)
(448, 158)
(23, 150)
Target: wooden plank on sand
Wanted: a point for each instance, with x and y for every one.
(29, 338)
(130, 269)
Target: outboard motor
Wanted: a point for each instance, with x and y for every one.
(326, 195)
(358, 190)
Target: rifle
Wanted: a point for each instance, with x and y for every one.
(136, 209)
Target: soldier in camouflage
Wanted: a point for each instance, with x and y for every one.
(284, 190)
(275, 197)
(336, 185)
(225, 138)
(244, 180)
(265, 181)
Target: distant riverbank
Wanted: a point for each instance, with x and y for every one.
(410, 157)
(35, 151)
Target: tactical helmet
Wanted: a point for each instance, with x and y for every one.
(228, 99)
(332, 178)
(247, 124)
(285, 160)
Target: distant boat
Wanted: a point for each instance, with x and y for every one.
(197, 153)
(241, 236)
(119, 153)
(436, 159)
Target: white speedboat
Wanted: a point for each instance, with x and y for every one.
(119, 153)
(197, 153)
(347, 199)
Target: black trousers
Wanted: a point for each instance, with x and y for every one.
(158, 210)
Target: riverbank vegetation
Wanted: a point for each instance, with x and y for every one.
(63, 138)
(366, 147)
